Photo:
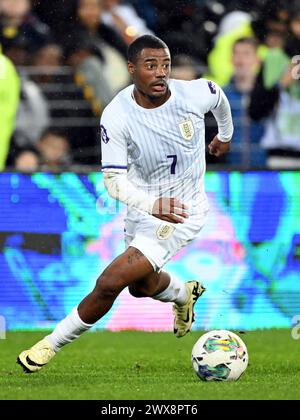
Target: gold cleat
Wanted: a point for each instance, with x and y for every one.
(34, 359)
(184, 315)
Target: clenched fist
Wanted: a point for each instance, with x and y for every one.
(218, 148)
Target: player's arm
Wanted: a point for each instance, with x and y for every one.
(120, 188)
(222, 113)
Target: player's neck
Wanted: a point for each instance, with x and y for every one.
(149, 102)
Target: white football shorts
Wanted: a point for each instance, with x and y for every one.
(158, 240)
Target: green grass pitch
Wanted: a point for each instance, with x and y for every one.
(135, 365)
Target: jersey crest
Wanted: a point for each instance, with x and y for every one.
(187, 129)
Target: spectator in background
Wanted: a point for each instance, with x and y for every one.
(27, 160)
(9, 102)
(180, 24)
(54, 149)
(103, 41)
(247, 134)
(276, 99)
(146, 10)
(70, 101)
(124, 18)
(90, 72)
(21, 32)
(269, 28)
(89, 16)
(184, 67)
(33, 115)
(49, 58)
(271, 25)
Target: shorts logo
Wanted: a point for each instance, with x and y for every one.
(187, 129)
(104, 135)
(164, 231)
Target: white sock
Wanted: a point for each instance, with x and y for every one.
(67, 330)
(175, 292)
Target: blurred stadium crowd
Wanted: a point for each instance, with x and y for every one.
(62, 61)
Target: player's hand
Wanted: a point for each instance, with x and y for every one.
(218, 148)
(170, 210)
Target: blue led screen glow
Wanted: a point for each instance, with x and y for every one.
(59, 232)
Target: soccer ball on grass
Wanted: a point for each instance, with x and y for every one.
(220, 355)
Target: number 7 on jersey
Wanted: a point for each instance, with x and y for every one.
(173, 164)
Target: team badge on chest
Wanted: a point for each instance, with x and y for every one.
(187, 129)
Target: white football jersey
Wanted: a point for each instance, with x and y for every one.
(162, 149)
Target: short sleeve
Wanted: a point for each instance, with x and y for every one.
(113, 141)
(211, 94)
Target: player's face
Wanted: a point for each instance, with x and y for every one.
(151, 72)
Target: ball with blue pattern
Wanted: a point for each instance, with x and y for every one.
(220, 355)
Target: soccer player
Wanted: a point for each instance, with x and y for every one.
(153, 159)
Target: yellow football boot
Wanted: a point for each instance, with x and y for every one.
(34, 359)
(184, 315)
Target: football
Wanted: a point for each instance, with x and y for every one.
(220, 355)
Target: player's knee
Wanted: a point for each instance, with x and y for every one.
(140, 291)
(136, 291)
(106, 287)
